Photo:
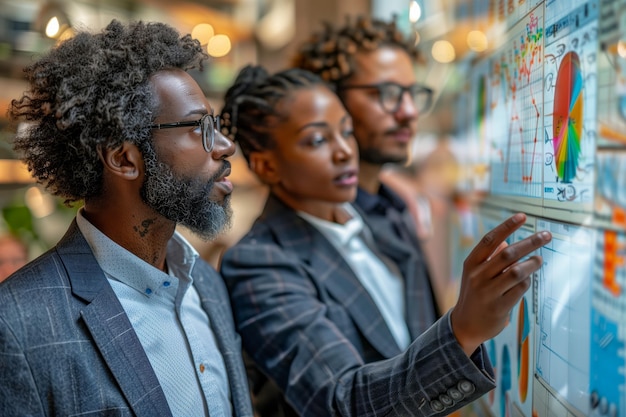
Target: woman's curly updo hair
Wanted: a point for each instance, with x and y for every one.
(330, 52)
(253, 99)
(92, 92)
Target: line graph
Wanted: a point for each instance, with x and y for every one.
(516, 106)
(564, 312)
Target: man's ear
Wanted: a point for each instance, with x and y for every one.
(264, 165)
(125, 161)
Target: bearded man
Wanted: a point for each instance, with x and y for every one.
(121, 317)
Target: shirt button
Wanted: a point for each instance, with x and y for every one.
(201, 368)
(166, 284)
(148, 291)
(436, 406)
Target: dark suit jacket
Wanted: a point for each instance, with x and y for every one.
(388, 214)
(67, 347)
(309, 325)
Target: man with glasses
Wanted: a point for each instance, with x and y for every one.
(122, 317)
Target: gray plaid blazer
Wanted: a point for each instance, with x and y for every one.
(310, 326)
(67, 347)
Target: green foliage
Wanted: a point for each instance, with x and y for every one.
(19, 221)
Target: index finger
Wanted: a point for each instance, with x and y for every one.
(492, 240)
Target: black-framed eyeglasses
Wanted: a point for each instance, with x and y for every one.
(208, 124)
(390, 95)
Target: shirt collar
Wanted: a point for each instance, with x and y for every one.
(380, 202)
(124, 266)
(339, 233)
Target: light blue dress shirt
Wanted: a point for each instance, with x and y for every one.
(173, 329)
(381, 280)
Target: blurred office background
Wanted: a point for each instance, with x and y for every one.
(235, 32)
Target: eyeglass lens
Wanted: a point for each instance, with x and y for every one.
(209, 125)
(391, 97)
(208, 132)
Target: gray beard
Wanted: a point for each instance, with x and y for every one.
(186, 201)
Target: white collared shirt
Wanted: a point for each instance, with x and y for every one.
(165, 312)
(381, 280)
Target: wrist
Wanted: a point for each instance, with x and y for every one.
(464, 338)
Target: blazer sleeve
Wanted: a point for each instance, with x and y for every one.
(285, 329)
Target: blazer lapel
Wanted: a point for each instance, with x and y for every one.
(110, 328)
(123, 353)
(331, 271)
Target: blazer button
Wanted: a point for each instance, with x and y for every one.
(455, 394)
(446, 400)
(466, 387)
(436, 406)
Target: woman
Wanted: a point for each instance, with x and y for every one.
(319, 299)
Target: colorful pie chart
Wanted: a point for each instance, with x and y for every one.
(567, 127)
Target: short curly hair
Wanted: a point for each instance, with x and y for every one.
(330, 52)
(91, 92)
